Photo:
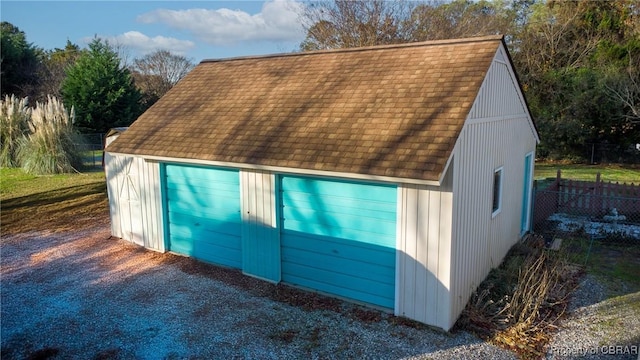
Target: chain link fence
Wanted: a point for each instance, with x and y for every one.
(92, 147)
(599, 153)
(592, 221)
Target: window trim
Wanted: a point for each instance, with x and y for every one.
(495, 211)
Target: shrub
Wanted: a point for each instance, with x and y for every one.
(14, 115)
(50, 147)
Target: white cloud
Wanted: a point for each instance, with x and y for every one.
(278, 21)
(144, 44)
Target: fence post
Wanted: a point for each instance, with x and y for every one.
(598, 192)
(557, 190)
(532, 207)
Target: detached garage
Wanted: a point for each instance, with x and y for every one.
(394, 176)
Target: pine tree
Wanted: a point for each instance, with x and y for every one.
(101, 90)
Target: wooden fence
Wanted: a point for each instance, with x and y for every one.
(589, 198)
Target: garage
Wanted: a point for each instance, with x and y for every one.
(202, 208)
(339, 237)
(347, 186)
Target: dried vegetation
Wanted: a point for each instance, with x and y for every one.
(518, 306)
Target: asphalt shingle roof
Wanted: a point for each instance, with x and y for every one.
(387, 111)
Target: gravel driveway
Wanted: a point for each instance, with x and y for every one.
(84, 295)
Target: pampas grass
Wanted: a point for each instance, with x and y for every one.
(14, 116)
(50, 147)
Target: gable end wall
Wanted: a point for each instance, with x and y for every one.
(135, 205)
(498, 133)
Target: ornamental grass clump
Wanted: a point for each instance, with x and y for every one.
(51, 145)
(14, 115)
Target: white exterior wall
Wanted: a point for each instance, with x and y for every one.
(424, 253)
(135, 203)
(498, 133)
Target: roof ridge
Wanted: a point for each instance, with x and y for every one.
(364, 48)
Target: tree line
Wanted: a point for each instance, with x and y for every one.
(578, 64)
(96, 81)
(50, 98)
(578, 61)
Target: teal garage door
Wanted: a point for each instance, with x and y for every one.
(202, 205)
(339, 237)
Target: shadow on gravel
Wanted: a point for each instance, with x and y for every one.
(85, 295)
(59, 210)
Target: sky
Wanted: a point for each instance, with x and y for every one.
(196, 29)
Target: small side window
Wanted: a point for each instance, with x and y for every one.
(497, 192)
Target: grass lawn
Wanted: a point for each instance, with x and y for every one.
(616, 262)
(611, 172)
(53, 202)
(92, 158)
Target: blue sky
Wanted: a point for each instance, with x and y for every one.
(197, 29)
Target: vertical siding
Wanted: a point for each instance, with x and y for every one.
(260, 236)
(499, 95)
(112, 171)
(497, 133)
(151, 201)
(124, 199)
(133, 187)
(423, 254)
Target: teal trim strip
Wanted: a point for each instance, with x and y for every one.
(524, 217)
(165, 206)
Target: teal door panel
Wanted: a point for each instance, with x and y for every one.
(202, 207)
(339, 237)
(331, 262)
(526, 195)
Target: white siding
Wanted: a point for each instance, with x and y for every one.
(151, 201)
(498, 133)
(260, 236)
(112, 169)
(423, 255)
(500, 94)
(133, 187)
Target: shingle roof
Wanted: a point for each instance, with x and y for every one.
(386, 111)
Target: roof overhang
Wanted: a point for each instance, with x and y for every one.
(283, 170)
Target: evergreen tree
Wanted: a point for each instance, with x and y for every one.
(101, 90)
(18, 61)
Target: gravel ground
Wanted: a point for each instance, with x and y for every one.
(88, 296)
(598, 326)
(84, 295)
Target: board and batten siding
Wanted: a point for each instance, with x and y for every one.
(136, 215)
(500, 94)
(260, 233)
(424, 253)
(498, 134)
